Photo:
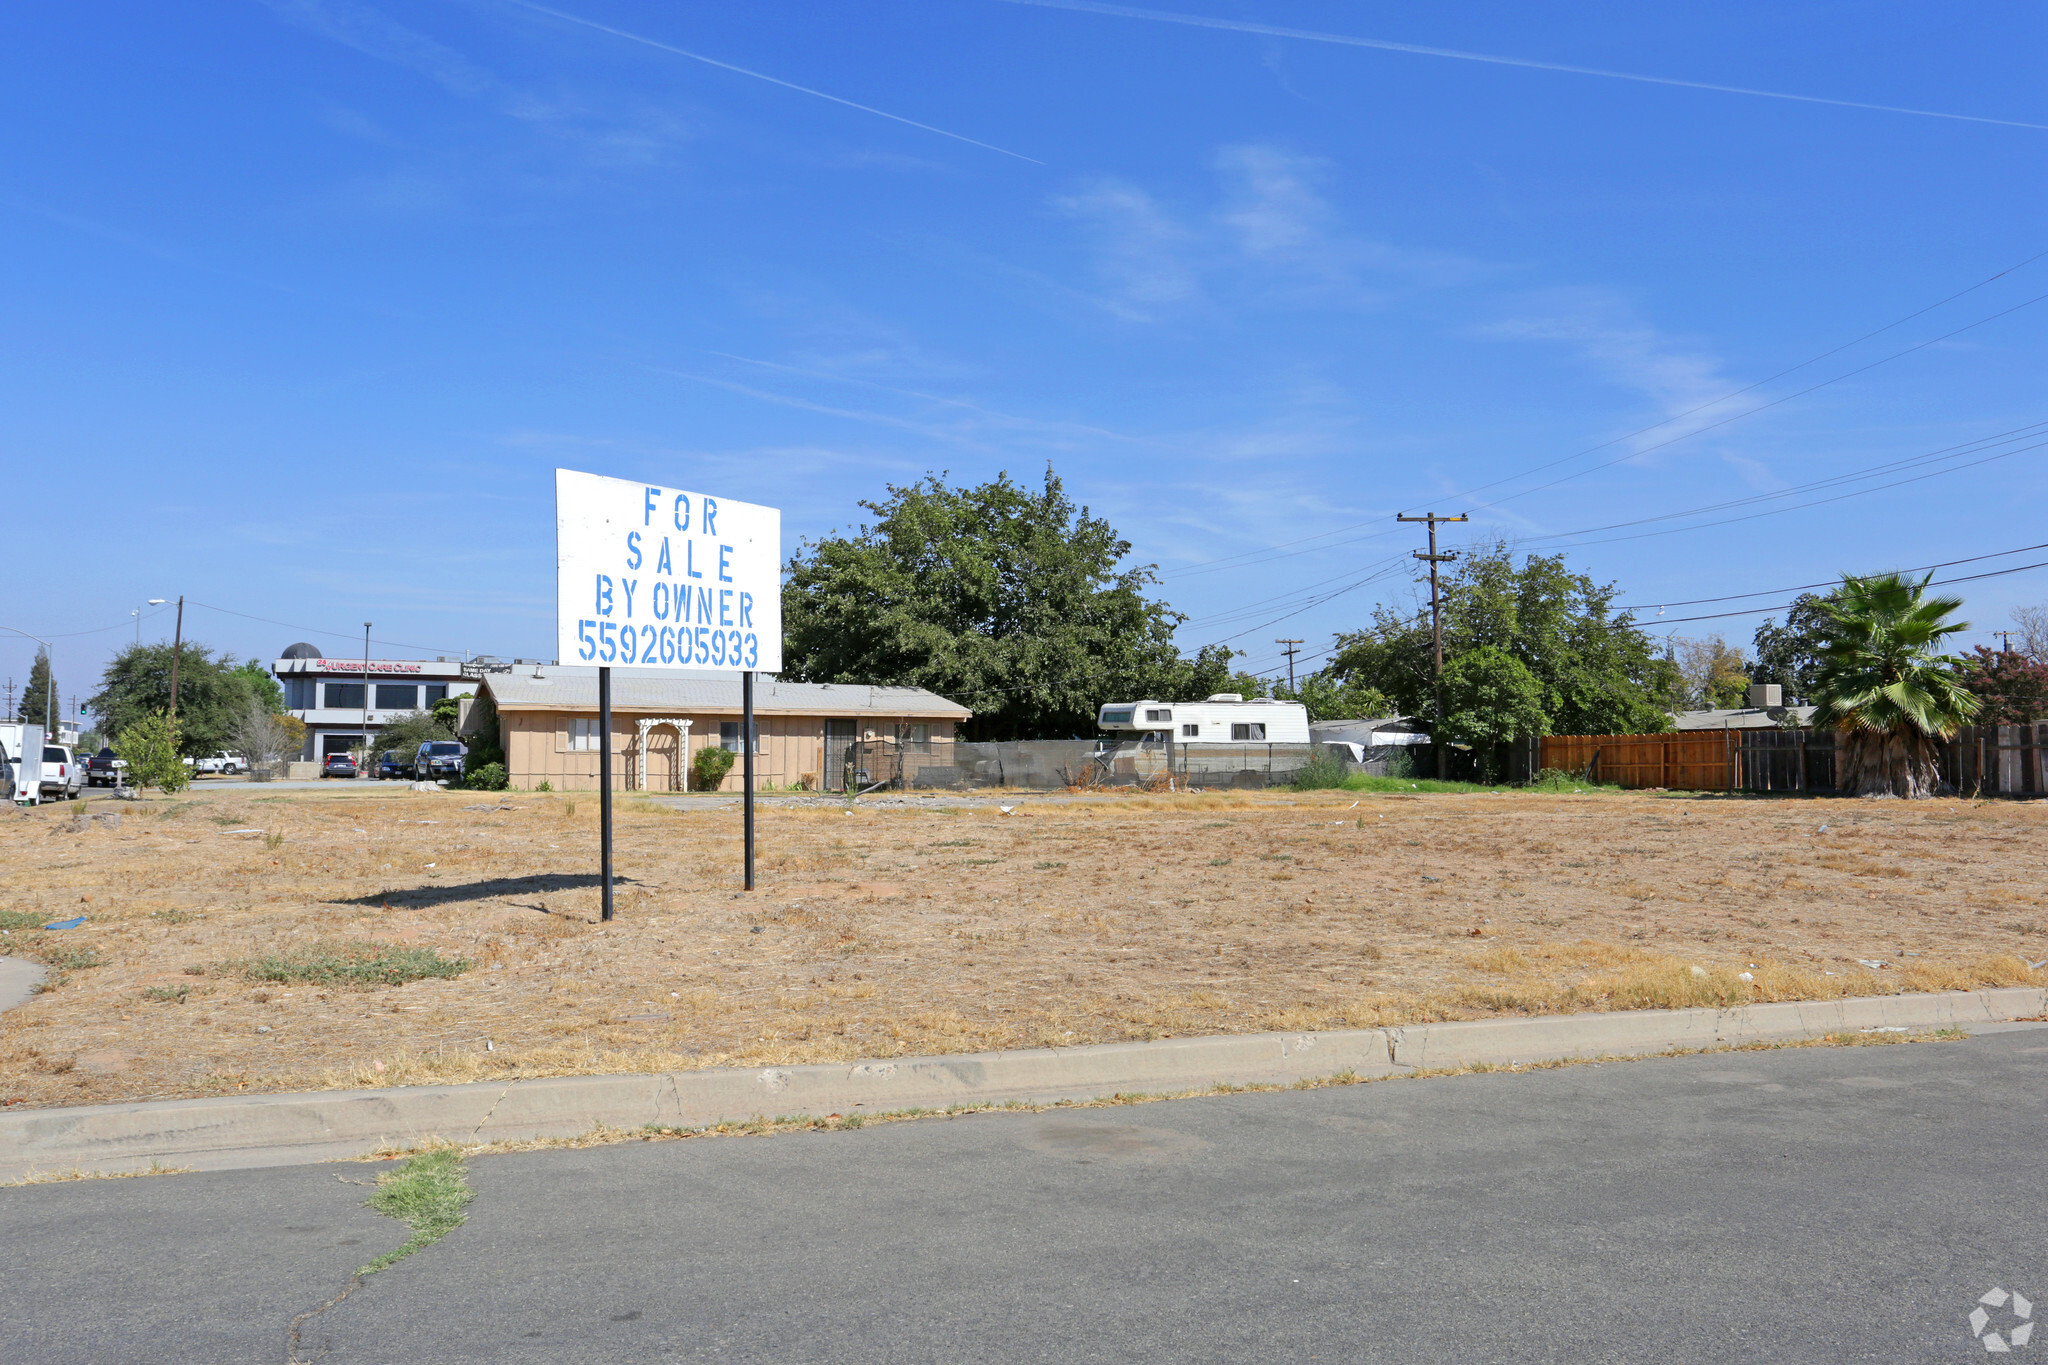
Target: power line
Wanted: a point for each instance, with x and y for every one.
(1253, 555)
(315, 630)
(1873, 471)
(1802, 587)
(1785, 606)
(1761, 407)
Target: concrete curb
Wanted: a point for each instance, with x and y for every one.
(280, 1130)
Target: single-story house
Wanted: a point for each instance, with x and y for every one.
(548, 725)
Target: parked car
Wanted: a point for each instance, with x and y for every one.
(103, 769)
(439, 760)
(393, 763)
(62, 777)
(339, 765)
(222, 762)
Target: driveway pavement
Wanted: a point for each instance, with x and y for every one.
(1816, 1204)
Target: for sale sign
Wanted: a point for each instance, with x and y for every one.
(652, 577)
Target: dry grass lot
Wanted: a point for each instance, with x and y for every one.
(922, 928)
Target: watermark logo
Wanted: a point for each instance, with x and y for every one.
(2017, 1333)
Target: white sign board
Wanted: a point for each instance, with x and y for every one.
(650, 577)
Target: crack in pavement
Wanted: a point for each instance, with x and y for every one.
(291, 1350)
(487, 1113)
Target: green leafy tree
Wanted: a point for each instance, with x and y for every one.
(448, 710)
(255, 676)
(1790, 655)
(1886, 688)
(1329, 697)
(1209, 673)
(150, 746)
(407, 730)
(1714, 674)
(1599, 673)
(1491, 698)
(39, 698)
(483, 735)
(2011, 688)
(1006, 599)
(212, 692)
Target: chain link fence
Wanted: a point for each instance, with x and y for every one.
(1057, 764)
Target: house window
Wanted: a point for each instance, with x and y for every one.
(1159, 714)
(1255, 730)
(398, 696)
(1190, 731)
(729, 736)
(344, 696)
(921, 734)
(583, 732)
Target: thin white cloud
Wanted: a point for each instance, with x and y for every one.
(1684, 380)
(1270, 236)
(1416, 49)
(1146, 259)
(762, 76)
(375, 34)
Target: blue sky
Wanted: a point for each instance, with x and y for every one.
(308, 298)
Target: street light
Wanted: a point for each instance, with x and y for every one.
(137, 614)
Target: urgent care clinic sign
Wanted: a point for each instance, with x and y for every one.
(653, 577)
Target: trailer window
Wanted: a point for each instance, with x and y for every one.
(1253, 730)
(1190, 731)
(1160, 714)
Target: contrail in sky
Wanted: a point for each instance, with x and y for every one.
(1313, 36)
(772, 80)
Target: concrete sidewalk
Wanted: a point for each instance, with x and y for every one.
(271, 1130)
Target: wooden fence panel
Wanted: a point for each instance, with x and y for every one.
(1695, 760)
(1978, 760)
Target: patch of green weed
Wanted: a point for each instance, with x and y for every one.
(428, 1194)
(354, 963)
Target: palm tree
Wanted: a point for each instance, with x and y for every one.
(1883, 687)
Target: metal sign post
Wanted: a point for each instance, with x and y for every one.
(747, 745)
(604, 785)
(658, 579)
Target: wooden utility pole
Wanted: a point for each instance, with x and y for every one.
(1292, 647)
(1436, 624)
(177, 651)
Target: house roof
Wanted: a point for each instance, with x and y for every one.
(688, 691)
(1742, 718)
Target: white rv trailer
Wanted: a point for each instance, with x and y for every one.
(1225, 718)
(21, 753)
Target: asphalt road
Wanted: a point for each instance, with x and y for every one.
(1804, 1205)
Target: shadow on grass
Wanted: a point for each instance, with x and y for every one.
(540, 884)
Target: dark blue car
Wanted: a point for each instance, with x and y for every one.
(391, 763)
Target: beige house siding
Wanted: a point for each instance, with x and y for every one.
(537, 748)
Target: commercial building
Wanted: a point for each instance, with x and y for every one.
(344, 702)
(548, 725)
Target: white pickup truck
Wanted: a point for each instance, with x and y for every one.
(221, 762)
